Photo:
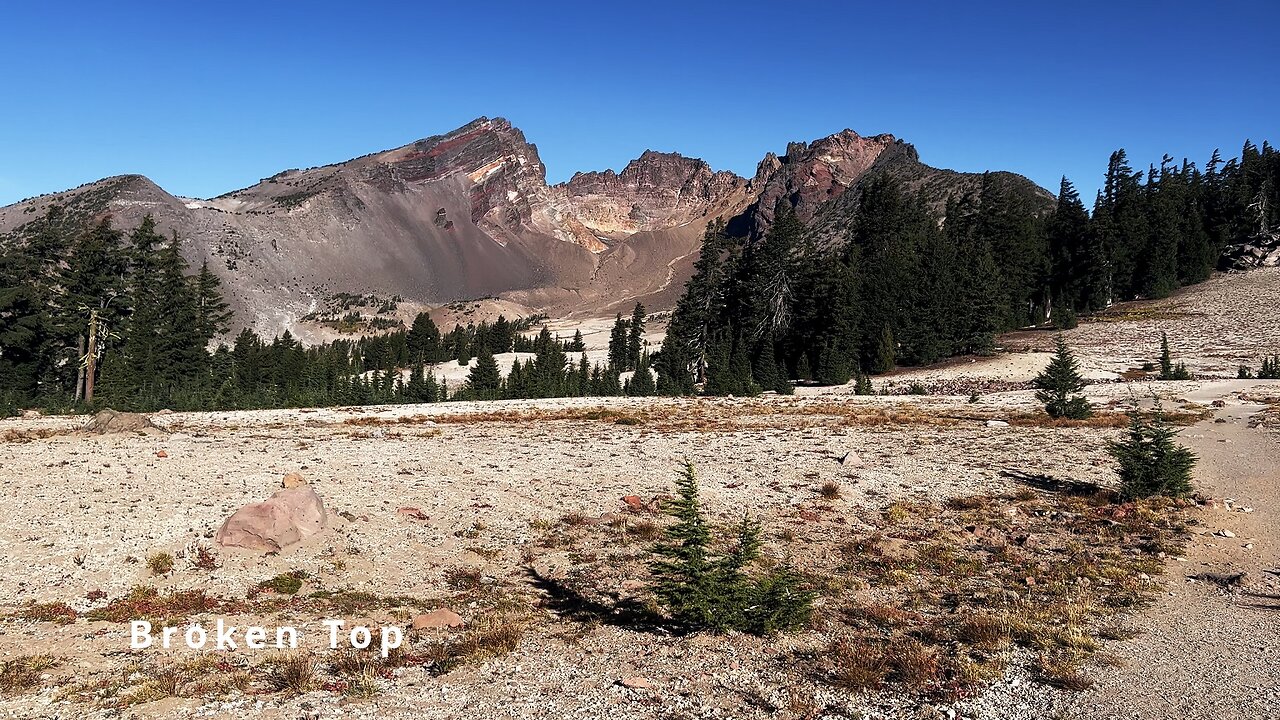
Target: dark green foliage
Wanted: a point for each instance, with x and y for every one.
(484, 381)
(1244, 373)
(642, 383)
(618, 344)
(1270, 368)
(704, 590)
(213, 313)
(1057, 384)
(863, 385)
(423, 342)
(635, 337)
(1151, 462)
(907, 287)
(729, 366)
(1169, 371)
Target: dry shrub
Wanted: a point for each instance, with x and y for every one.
(160, 563)
(149, 604)
(1062, 670)
(292, 673)
(969, 502)
(22, 674)
(830, 490)
(857, 664)
(463, 578)
(880, 615)
(575, 519)
(26, 436)
(644, 529)
(202, 558)
(1116, 631)
(54, 612)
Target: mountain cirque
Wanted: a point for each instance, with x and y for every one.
(469, 214)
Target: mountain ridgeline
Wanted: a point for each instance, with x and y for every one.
(840, 258)
(899, 274)
(469, 214)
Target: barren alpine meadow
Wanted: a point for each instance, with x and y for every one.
(935, 553)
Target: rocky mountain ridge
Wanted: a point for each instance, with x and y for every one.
(470, 214)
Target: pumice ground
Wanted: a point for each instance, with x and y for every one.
(967, 556)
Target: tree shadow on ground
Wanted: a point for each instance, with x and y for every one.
(571, 604)
(1063, 486)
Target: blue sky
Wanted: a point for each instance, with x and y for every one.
(209, 97)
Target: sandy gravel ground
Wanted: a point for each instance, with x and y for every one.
(81, 513)
(1206, 651)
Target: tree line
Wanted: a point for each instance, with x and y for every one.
(909, 287)
(94, 315)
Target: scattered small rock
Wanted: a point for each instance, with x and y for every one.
(293, 480)
(997, 423)
(412, 513)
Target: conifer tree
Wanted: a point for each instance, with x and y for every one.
(1169, 371)
(423, 340)
(618, 344)
(1151, 461)
(1057, 384)
(642, 383)
(635, 337)
(705, 591)
(484, 381)
(213, 313)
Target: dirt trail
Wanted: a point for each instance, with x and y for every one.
(1204, 651)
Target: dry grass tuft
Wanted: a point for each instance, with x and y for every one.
(160, 563)
(644, 529)
(22, 674)
(984, 631)
(857, 664)
(464, 578)
(26, 436)
(1062, 670)
(830, 490)
(292, 673)
(497, 635)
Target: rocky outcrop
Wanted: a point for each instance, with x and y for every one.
(653, 192)
(469, 214)
(811, 175)
(111, 422)
(822, 182)
(1262, 250)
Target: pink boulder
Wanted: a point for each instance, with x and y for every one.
(438, 619)
(287, 517)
